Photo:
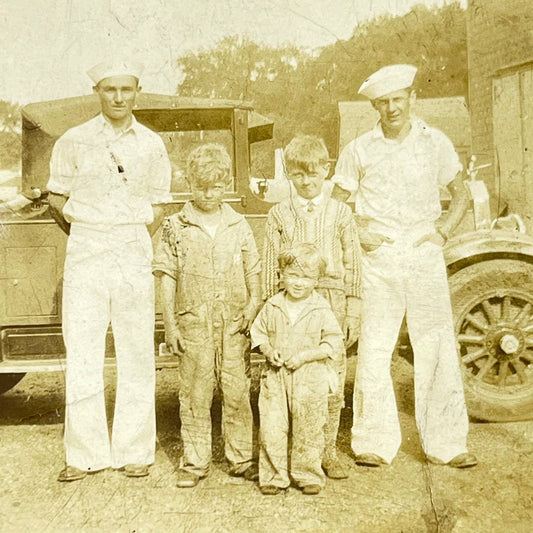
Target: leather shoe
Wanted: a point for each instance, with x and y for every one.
(463, 460)
(134, 470)
(334, 469)
(369, 459)
(250, 473)
(186, 479)
(311, 490)
(71, 473)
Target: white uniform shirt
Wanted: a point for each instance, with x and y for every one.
(110, 179)
(397, 183)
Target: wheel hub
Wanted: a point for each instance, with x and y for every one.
(504, 343)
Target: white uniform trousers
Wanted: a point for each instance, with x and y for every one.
(108, 279)
(397, 280)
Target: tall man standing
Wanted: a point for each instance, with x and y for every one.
(395, 171)
(108, 179)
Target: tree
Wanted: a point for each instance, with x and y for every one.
(9, 134)
(300, 91)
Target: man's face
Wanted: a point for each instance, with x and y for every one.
(297, 285)
(308, 183)
(117, 96)
(394, 109)
(209, 198)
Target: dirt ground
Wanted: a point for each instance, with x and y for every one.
(408, 496)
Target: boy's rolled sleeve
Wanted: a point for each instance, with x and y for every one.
(165, 255)
(332, 336)
(62, 166)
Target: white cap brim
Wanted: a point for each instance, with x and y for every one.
(106, 69)
(387, 80)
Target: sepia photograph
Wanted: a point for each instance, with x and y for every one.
(266, 266)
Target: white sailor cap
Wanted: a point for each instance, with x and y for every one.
(387, 80)
(106, 69)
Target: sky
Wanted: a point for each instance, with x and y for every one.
(48, 45)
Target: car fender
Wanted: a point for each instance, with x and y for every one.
(476, 246)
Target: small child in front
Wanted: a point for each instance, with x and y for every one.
(299, 335)
(210, 287)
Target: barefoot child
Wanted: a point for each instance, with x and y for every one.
(300, 337)
(310, 215)
(210, 286)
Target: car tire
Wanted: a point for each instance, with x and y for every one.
(493, 312)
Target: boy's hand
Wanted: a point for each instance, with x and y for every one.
(249, 314)
(274, 358)
(173, 340)
(351, 329)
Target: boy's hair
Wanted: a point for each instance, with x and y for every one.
(207, 164)
(304, 256)
(306, 152)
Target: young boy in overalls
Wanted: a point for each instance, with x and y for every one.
(300, 337)
(310, 215)
(210, 287)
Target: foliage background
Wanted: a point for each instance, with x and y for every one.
(299, 89)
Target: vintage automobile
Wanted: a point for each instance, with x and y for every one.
(490, 269)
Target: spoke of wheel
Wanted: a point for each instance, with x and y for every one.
(470, 339)
(491, 361)
(528, 328)
(487, 307)
(519, 367)
(506, 308)
(529, 339)
(476, 322)
(473, 356)
(527, 356)
(523, 317)
(502, 374)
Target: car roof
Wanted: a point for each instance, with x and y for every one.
(160, 112)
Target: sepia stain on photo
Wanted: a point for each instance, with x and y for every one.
(266, 265)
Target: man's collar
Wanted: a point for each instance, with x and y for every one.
(418, 126)
(105, 125)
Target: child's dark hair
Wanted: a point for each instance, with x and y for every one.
(304, 256)
(306, 152)
(207, 164)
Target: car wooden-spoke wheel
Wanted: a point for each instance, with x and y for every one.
(496, 340)
(493, 308)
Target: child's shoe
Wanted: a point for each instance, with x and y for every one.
(334, 469)
(250, 473)
(311, 490)
(187, 479)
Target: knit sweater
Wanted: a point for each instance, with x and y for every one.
(330, 226)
